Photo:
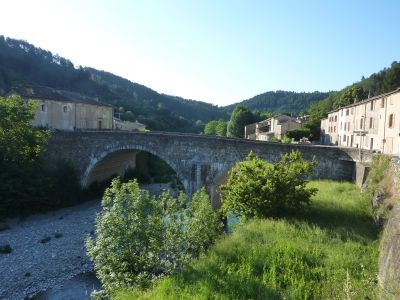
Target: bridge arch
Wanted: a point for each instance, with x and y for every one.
(127, 153)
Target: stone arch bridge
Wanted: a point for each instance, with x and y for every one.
(198, 160)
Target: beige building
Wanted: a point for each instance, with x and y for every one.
(372, 124)
(65, 110)
(272, 127)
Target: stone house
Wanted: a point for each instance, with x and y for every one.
(372, 124)
(128, 126)
(65, 110)
(272, 127)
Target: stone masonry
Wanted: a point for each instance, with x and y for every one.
(198, 160)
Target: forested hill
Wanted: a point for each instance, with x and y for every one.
(23, 63)
(281, 101)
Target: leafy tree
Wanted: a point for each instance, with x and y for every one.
(240, 117)
(256, 188)
(210, 127)
(350, 95)
(216, 128)
(392, 78)
(221, 127)
(19, 141)
(140, 238)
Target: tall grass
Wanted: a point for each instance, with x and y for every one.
(329, 251)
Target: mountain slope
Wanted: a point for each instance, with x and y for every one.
(281, 101)
(23, 63)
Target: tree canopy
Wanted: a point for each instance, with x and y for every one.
(240, 117)
(19, 141)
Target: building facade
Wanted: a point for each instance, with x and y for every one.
(65, 110)
(274, 127)
(372, 124)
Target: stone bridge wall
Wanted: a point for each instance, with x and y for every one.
(198, 160)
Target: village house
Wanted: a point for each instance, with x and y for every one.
(128, 126)
(372, 124)
(274, 127)
(65, 110)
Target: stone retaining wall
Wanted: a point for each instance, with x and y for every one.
(389, 257)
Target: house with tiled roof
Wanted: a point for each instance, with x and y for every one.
(66, 110)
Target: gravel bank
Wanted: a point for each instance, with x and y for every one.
(35, 264)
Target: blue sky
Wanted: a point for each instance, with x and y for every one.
(218, 51)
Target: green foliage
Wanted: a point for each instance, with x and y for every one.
(216, 128)
(202, 225)
(20, 142)
(298, 134)
(32, 188)
(26, 185)
(140, 238)
(328, 251)
(349, 96)
(5, 249)
(279, 102)
(256, 188)
(241, 116)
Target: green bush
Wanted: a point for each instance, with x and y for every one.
(329, 251)
(140, 238)
(256, 188)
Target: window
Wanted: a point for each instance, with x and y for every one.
(43, 107)
(371, 123)
(371, 144)
(65, 108)
(347, 112)
(361, 123)
(372, 105)
(344, 138)
(352, 110)
(340, 125)
(382, 102)
(334, 129)
(335, 118)
(391, 120)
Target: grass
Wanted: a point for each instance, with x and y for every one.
(329, 251)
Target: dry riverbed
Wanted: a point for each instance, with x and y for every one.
(48, 252)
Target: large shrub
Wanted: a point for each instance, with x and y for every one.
(140, 238)
(256, 188)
